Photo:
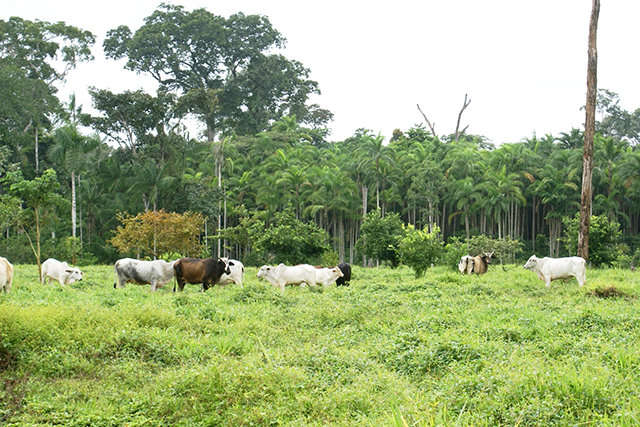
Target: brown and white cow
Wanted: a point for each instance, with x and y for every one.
(481, 262)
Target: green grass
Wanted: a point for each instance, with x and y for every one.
(445, 349)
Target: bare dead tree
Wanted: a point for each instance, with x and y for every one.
(431, 126)
(464, 107)
(589, 131)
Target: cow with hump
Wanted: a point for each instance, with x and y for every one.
(549, 269)
(60, 271)
(155, 273)
(6, 275)
(327, 275)
(206, 271)
(237, 272)
(283, 275)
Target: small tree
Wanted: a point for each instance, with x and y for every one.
(604, 238)
(40, 195)
(380, 236)
(419, 248)
(155, 233)
(292, 241)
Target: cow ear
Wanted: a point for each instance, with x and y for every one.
(68, 271)
(230, 263)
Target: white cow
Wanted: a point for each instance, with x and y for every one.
(326, 276)
(549, 269)
(60, 271)
(6, 275)
(156, 273)
(466, 264)
(283, 275)
(237, 272)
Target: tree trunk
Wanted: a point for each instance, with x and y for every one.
(466, 222)
(73, 204)
(73, 216)
(36, 148)
(38, 244)
(589, 131)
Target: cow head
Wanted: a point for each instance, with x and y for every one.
(531, 263)
(73, 275)
(263, 271)
(224, 266)
(487, 257)
(337, 272)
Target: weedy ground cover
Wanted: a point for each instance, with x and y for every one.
(390, 349)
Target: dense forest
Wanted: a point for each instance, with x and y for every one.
(66, 176)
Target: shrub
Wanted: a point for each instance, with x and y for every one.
(604, 236)
(455, 249)
(379, 236)
(419, 248)
(292, 241)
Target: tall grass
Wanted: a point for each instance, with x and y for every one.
(498, 349)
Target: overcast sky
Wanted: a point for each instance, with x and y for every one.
(522, 62)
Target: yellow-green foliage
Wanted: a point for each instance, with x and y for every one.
(444, 349)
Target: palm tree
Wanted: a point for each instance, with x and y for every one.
(148, 181)
(463, 196)
(70, 149)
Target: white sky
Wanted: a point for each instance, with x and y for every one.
(522, 62)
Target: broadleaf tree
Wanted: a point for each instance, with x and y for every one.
(215, 65)
(156, 233)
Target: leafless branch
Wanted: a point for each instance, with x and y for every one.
(431, 126)
(464, 107)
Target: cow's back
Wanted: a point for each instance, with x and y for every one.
(295, 275)
(53, 267)
(563, 267)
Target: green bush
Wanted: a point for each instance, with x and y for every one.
(604, 238)
(419, 249)
(379, 236)
(455, 249)
(291, 241)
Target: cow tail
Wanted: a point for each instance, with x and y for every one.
(177, 268)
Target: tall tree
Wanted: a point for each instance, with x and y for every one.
(34, 56)
(69, 149)
(589, 131)
(218, 66)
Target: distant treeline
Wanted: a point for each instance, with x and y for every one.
(266, 149)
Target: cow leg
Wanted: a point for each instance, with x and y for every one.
(547, 282)
(153, 285)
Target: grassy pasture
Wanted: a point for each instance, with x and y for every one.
(445, 349)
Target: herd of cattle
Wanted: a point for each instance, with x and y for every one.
(223, 271)
(205, 271)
